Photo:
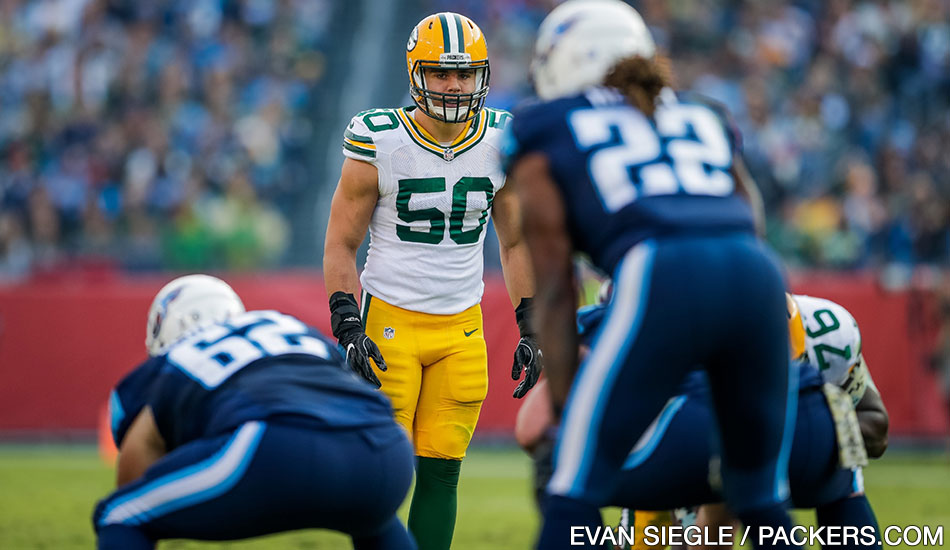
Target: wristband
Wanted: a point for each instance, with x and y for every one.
(522, 313)
(343, 312)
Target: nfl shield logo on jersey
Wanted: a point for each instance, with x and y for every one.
(448, 153)
(389, 333)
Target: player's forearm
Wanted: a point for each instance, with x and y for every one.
(874, 421)
(554, 316)
(339, 269)
(874, 427)
(516, 268)
(141, 447)
(746, 187)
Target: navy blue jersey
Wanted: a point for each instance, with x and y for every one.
(589, 319)
(256, 366)
(625, 177)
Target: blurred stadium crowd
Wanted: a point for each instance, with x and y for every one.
(173, 134)
(152, 134)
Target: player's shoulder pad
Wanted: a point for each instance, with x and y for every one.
(720, 110)
(498, 119)
(533, 122)
(366, 133)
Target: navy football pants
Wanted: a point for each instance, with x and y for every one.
(671, 467)
(267, 477)
(679, 302)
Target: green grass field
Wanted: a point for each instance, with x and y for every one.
(47, 494)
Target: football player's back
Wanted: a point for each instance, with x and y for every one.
(645, 183)
(629, 176)
(248, 423)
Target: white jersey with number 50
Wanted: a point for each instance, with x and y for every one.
(833, 344)
(428, 229)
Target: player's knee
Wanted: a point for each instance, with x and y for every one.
(446, 443)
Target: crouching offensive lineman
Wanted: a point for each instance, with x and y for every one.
(242, 424)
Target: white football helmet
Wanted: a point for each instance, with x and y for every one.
(185, 304)
(580, 40)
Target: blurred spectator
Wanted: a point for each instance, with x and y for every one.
(131, 129)
(112, 109)
(844, 108)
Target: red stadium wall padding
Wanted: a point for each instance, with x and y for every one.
(64, 344)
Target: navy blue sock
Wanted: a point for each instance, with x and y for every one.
(769, 519)
(391, 537)
(854, 511)
(562, 513)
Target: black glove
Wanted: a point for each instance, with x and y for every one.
(527, 354)
(348, 330)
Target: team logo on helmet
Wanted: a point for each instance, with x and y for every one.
(162, 308)
(413, 39)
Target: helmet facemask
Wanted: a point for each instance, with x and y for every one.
(447, 107)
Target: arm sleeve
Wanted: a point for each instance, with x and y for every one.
(520, 134)
(128, 398)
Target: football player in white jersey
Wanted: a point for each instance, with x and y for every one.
(833, 344)
(424, 180)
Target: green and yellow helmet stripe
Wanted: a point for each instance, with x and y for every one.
(453, 37)
(446, 40)
(461, 35)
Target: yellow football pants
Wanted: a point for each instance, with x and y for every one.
(646, 518)
(437, 373)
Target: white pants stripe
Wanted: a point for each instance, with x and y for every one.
(199, 482)
(584, 410)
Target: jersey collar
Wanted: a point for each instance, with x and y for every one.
(473, 133)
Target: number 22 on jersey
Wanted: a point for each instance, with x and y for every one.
(687, 151)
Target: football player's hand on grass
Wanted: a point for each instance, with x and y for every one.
(528, 358)
(348, 330)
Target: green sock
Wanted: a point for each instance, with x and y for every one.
(432, 512)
